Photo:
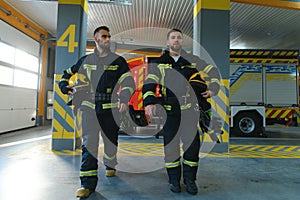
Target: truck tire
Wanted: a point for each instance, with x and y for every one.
(247, 124)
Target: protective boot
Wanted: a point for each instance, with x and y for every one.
(191, 186)
(189, 177)
(84, 192)
(110, 172)
(174, 178)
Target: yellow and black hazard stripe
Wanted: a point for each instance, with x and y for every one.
(63, 120)
(235, 151)
(261, 53)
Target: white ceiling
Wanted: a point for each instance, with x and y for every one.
(147, 21)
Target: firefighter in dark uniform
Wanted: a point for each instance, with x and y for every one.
(99, 76)
(177, 74)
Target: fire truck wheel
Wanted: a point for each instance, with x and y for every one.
(247, 124)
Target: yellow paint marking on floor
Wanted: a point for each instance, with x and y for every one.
(236, 151)
(291, 148)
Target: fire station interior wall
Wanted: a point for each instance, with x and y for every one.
(17, 108)
(18, 39)
(17, 105)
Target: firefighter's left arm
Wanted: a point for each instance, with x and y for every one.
(213, 80)
(126, 82)
(211, 76)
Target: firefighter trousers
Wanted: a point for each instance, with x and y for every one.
(90, 143)
(109, 132)
(181, 125)
(91, 126)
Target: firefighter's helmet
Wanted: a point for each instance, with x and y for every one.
(73, 80)
(197, 83)
(78, 80)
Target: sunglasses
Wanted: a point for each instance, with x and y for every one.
(105, 36)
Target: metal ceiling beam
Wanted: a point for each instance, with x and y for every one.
(111, 2)
(287, 4)
(124, 2)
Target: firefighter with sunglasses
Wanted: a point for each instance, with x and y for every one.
(97, 95)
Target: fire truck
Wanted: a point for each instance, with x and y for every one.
(264, 90)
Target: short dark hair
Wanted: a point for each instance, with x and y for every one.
(173, 30)
(101, 28)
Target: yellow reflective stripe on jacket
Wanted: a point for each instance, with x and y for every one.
(185, 106)
(69, 71)
(149, 93)
(88, 104)
(109, 105)
(162, 68)
(182, 107)
(208, 68)
(166, 66)
(153, 77)
(172, 164)
(89, 69)
(125, 75)
(168, 107)
(128, 88)
(111, 67)
(215, 80)
(109, 158)
(190, 163)
(89, 173)
(188, 66)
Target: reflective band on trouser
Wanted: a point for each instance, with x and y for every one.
(109, 158)
(150, 93)
(190, 163)
(172, 164)
(88, 173)
(109, 105)
(88, 104)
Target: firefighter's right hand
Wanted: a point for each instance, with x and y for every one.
(150, 110)
(70, 90)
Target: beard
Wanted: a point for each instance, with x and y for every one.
(105, 46)
(175, 48)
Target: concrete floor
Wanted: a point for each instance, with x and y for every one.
(29, 170)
